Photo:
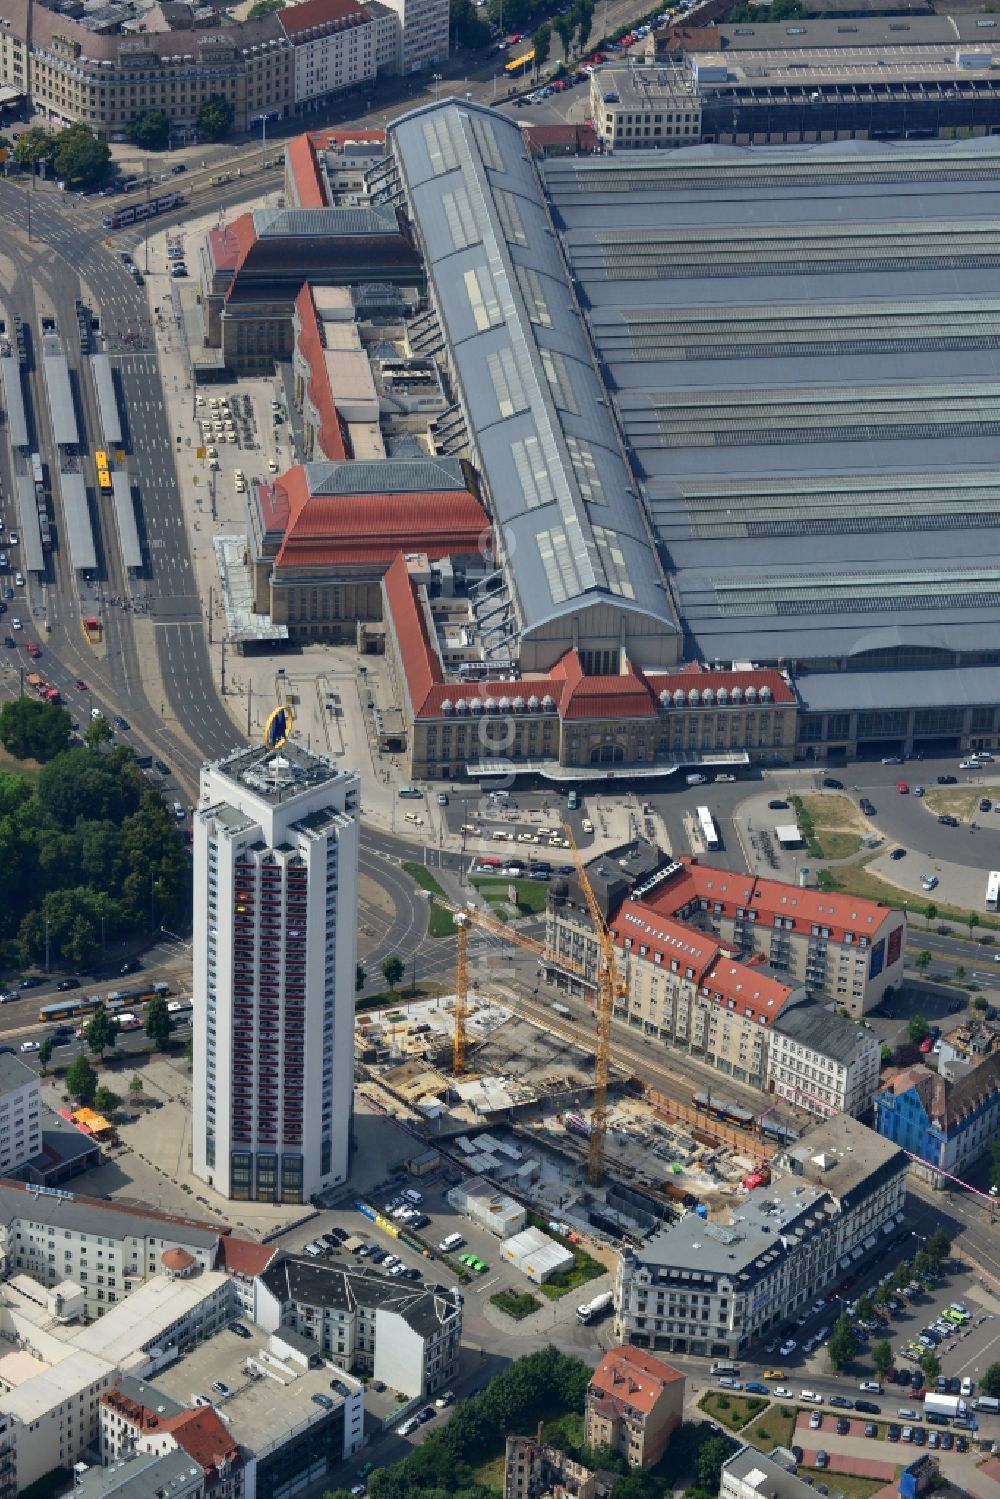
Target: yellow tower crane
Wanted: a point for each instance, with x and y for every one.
(610, 985)
(465, 917)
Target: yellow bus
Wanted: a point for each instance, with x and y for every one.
(518, 64)
(103, 473)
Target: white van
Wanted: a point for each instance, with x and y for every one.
(452, 1242)
(695, 780)
(313, 1250)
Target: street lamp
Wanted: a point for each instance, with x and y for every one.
(437, 85)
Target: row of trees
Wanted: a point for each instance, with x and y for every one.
(573, 28)
(842, 1348)
(100, 1034)
(89, 852)
(472, 27)
(151, 130)
(546, 1383)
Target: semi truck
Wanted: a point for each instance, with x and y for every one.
(944, 1405)
(593, 1309)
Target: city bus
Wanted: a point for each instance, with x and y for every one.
(77, 1007)
(993, 890)
(707, 828)
(103, 473)
(518, 65)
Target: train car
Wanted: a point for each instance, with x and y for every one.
(721, 1109)
(782, 1133)
(135, 213)
(66, 1009)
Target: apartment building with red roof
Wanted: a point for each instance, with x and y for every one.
(634, 1403)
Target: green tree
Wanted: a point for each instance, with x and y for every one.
(158, 1022)
(939, 1247)
(930, 912)
(98, 732)
(101, 1031)
(105, 1101)
(990, 1382)
(80, 158)
(583, 19)
(360, 977)
(151, 131)
(542, 44)
(136, 1087)
(45, 1054)
(885, 1055)
(980, 1003)
(81, 1080)
(960, 972)
(564, 30)
(467, 26)
(864, 1308)
(917, 1029)
(882, 1357)
(392, 970)
(923, 962)
(215, 117)
(841, 1348)
(883, 1294)
(902, 1275)
(971, 920)
(930, 1365)
(34, 145)
(29, 728)
(264, 8)
(922, 1263)
(708, 1469)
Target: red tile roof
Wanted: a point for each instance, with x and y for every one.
(623, 696)
(328, 529)
(242, 233)
(295, 19)
(418, 660)
(661, 935)
(699, 677)
(633, 1377)
(305, 172)
(243, 1256)
(771, 898)
(745, 989)
(274, 498)
(204, 1436)
(310, 343)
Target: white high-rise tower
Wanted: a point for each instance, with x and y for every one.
(275, 933)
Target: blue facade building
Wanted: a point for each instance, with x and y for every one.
(944, 1125)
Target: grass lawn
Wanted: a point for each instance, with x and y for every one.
(517, 1306)
(531, 894)
(31, 769)
(583, 1269)
(848, 1484)
(733, 1411)
(831, 823)
(775, 1428)
(490, 1473)
(960, 801)
(439, 921)
(856, 879)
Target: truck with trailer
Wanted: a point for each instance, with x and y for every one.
(591, 1310)
(944, 1405)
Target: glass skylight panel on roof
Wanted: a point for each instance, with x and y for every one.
(613, 561)
(507, 385)
(534, 296)
(440, 146)
(509, 214)
(557, 374)
(585, 467)
(560, 569)
(461, 219)
(536, 481)
(860, 592)
(483, 298)
(486, 140)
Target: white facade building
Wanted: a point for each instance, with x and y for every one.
(20, 1114)
(823, 1063)
(423, 28)
(334, 47)
(275, 934)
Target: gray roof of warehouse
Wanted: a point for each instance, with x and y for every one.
(535, 405)
(831, 1035)
(802, 348)
(946, 687)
